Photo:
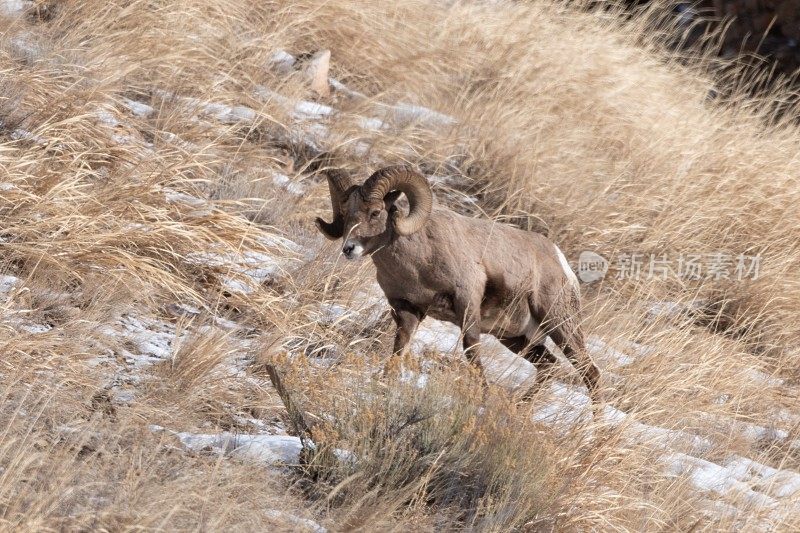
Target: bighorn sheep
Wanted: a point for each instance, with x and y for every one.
(482, 276)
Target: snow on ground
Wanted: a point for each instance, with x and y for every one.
(268, 449)
(176, 197)
(501, 365)
(149, 340)
(7, 284)
(741, 479)
(402, 114)
(15, 318)
(283, 181)
(302, 524)
(606, 356)
(139, 109)
(245, 270)
(409, 113)
(13, 7)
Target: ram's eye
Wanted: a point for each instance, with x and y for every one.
(375, 214)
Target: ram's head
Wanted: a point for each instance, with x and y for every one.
(366, 215)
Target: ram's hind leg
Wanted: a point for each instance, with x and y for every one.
(537, 354)
(571, 342)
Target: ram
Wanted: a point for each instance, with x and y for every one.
(482, 276)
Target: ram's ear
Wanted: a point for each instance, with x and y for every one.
(390, 199)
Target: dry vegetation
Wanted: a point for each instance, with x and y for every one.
(156, 259)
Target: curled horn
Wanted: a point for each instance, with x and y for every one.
(338, 184)
(415, 187)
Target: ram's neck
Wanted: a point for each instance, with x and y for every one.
(402, 251)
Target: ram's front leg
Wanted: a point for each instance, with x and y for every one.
(406, 317)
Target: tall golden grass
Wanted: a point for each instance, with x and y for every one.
(576, 123)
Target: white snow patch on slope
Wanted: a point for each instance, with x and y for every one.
(282, 61)
(269, 449)
(227, 114)
(247, 270)
(283, 181)
(139, 109)
(8, 283)
(711, 477)
(410, 113)
(606, 355)
(152, 339)
(567, 407)
(500, 364)
(176, 197)
(304, 524)
(14, 7)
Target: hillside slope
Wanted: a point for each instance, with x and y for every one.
(159, 257)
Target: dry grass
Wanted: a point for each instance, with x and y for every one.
(146, 296)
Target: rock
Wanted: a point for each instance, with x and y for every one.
(316, 72)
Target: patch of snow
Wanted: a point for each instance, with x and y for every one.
(269, 449)
(255, 422)
(107, 118)
(24, 45)
(301, 110)
(708, 476)
(305, 110)
(751, 432)
(176, 197)
(250, 269)
(601, 351)
(8, 283)
(362, 148)
(124, 397)
(504, 367)
(418, 380)
(224, 323)
(227, 114)
(409, 113)
(344, 89)
(139, 109)
(722, 399)
(283, 181)
(36, 328)
(179, 309)
(641, 350)
(375, 124)
(272, 239)
(303, 524)
(20, 134)
(777, 483)
(762, 378)
(153, 340)
(282, 61)
(568, 407)
(436, 335)
(330, 313)
(666, 309)
(177, 141)
(501, 365)
(14, 7)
